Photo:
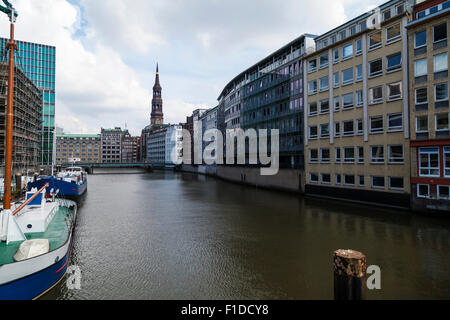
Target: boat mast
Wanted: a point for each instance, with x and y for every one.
(12, 47)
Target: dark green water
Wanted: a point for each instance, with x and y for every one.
(182, 236)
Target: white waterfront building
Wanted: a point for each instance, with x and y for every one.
(174, 144)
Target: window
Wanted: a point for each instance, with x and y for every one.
(313, 132)
(349, 155)
(312, 87)
(440, 32)
(375, 67)
(325, 155)
(441, 92)
(359, 75)
(422, 124)
(358, 46)
(361, 155)
(348, 128)
(338, 179)
(361, 181)
(396, 183)
(347, 76)
(324, 83)
(323, 61)
(441, 62)
(377, 154)
(324, 106)
(376, 95)
(347, 51)
(421, 96)
(443, 192)
(423, 191)
(312, 65)
(313, 156)
(387, 15)
(326, 178)
(313, 108)
(442, 122)
(395, 122)
(447, 162)
(336, 55)
(429, 162)
(359, 98)
(347, 101)
(336, 104)
(376, 124)
(395, 154)
(359, 127)
(349, 180)
(394, 62)
(337, 129)
(336, 80)
(314, 177)
(393, 33)
(420, 68)
(343, 34)
(375, 40)
(394, 91)
(378, 182)
(324, 130)
(420, 39)
(337, 154)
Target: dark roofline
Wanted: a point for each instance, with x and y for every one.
(366, 14)
(303, 36)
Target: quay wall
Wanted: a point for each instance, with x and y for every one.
(292, 180)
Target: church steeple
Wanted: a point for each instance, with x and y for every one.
(157, 116)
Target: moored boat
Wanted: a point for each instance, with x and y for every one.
(71, 184)
(35, 235)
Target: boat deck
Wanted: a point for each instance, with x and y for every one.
(57, 233)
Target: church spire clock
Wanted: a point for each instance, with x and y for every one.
(157, 115)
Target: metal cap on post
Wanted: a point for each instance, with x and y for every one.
(350, 269)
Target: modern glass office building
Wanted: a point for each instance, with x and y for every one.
(38, 61)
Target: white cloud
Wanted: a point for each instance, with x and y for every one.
(94, 88)
(105, 65)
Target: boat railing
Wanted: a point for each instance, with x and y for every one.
(23, 205)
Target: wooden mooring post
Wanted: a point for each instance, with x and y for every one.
(350, 269)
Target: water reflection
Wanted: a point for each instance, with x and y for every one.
(181, 236)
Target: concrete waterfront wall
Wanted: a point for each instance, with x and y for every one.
(292, 180)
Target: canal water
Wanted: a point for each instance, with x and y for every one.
(167, 235)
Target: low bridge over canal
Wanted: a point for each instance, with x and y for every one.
(89, 167)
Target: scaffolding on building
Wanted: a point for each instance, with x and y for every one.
(27, 121)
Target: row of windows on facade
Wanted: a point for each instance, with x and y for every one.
(359, 27)
(430, 162)
(376, 182)
(394, 92)
(440, 67)
(278, 109)
(441, 123)
(393, 63)
(442, 192)
(376, 126)
(352, 155)
(283, 73)
(393, 34)
(439, 35)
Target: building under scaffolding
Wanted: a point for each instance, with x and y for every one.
(27, 121)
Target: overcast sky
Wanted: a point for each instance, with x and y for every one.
(106, 50)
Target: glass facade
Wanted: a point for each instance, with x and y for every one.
(38, 61)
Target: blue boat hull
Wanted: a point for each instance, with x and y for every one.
(66, 189)
(33, 286)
